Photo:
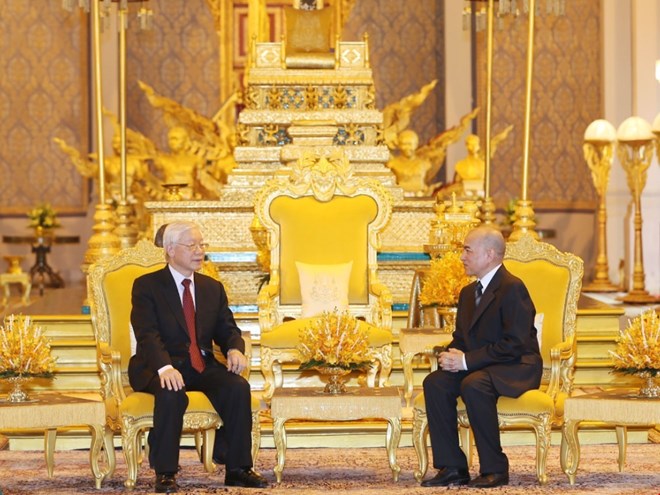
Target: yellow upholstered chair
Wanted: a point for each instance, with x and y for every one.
(554, 280)
(323, 227)
(309, 43)
(109, 283)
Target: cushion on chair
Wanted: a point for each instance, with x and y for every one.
(323, 287)
(141, 404)
(287, 335)
(531, 402)
(538, 324)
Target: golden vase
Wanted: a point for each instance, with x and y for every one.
(336, 378)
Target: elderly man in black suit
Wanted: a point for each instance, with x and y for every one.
(494, 352)
(177, 314)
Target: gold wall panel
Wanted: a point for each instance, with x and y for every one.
(43, 94)
(406, 44)
(567, 97)
(179, 58)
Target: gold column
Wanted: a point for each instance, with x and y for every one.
(635, 151)
(103, 242)
(598, 149)
(525, 223)
(489, 206)
(126, 229)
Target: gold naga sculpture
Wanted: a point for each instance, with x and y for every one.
(211, 140)
(415, 167)
(141, 184)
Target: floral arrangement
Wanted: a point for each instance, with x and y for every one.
(24, 349)
(444, 281)
(638, 346)
(336, 340)
(43, 216)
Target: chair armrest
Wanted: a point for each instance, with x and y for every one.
(382, 312)
(562, 367)
(267, 304)
(112, 388)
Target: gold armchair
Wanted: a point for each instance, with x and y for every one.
(554, 280)
(109, 283)
(321, 217)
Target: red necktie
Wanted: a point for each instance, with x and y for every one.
(189, 312)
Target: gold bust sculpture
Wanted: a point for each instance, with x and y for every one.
(470, 171)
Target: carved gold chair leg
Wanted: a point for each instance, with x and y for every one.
(465, 437)
(543, 430)
(207, 437)
(130, 446)
(419, 434)
(199, 445)
(256, 436)
(108, 443)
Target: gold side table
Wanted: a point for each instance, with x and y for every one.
(617, 408)
(414, 341)
(49, 411)
(356, 403)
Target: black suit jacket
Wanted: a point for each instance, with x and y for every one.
(499, 336)
(160, 326)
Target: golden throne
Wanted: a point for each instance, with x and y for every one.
(554, 280)
(109, 283)
(308, 42)
(323, 227)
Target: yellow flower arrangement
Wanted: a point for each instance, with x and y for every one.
(336, 340)
(444, 281)
(638, 346)
(24, 349)
(43, 216)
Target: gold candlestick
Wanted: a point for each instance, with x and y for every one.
(524, 224)
(599, 153)
(103, 242)
(125, 213)
(635, 151)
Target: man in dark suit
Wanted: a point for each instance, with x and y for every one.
(494, 352)
(177, 314)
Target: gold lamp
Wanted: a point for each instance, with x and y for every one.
(656, 125)
(635, 150)
(599, 139)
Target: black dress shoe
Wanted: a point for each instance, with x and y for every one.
(449, 476)
(220, 459)
(166, 483)
(245, 477)
(489, 480)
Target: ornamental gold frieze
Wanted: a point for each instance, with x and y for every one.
(341, 117)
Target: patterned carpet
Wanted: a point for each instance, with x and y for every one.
(355, 471)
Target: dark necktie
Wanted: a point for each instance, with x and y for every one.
(189, 312)
(478, 291)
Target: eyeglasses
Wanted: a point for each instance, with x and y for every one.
(202, 246)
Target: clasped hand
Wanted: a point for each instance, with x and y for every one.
(451, 360)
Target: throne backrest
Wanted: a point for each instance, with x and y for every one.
(321, 215)
(109, 287)
(554, 280)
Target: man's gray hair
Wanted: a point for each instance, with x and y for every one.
(175, 230)
(491, 238)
